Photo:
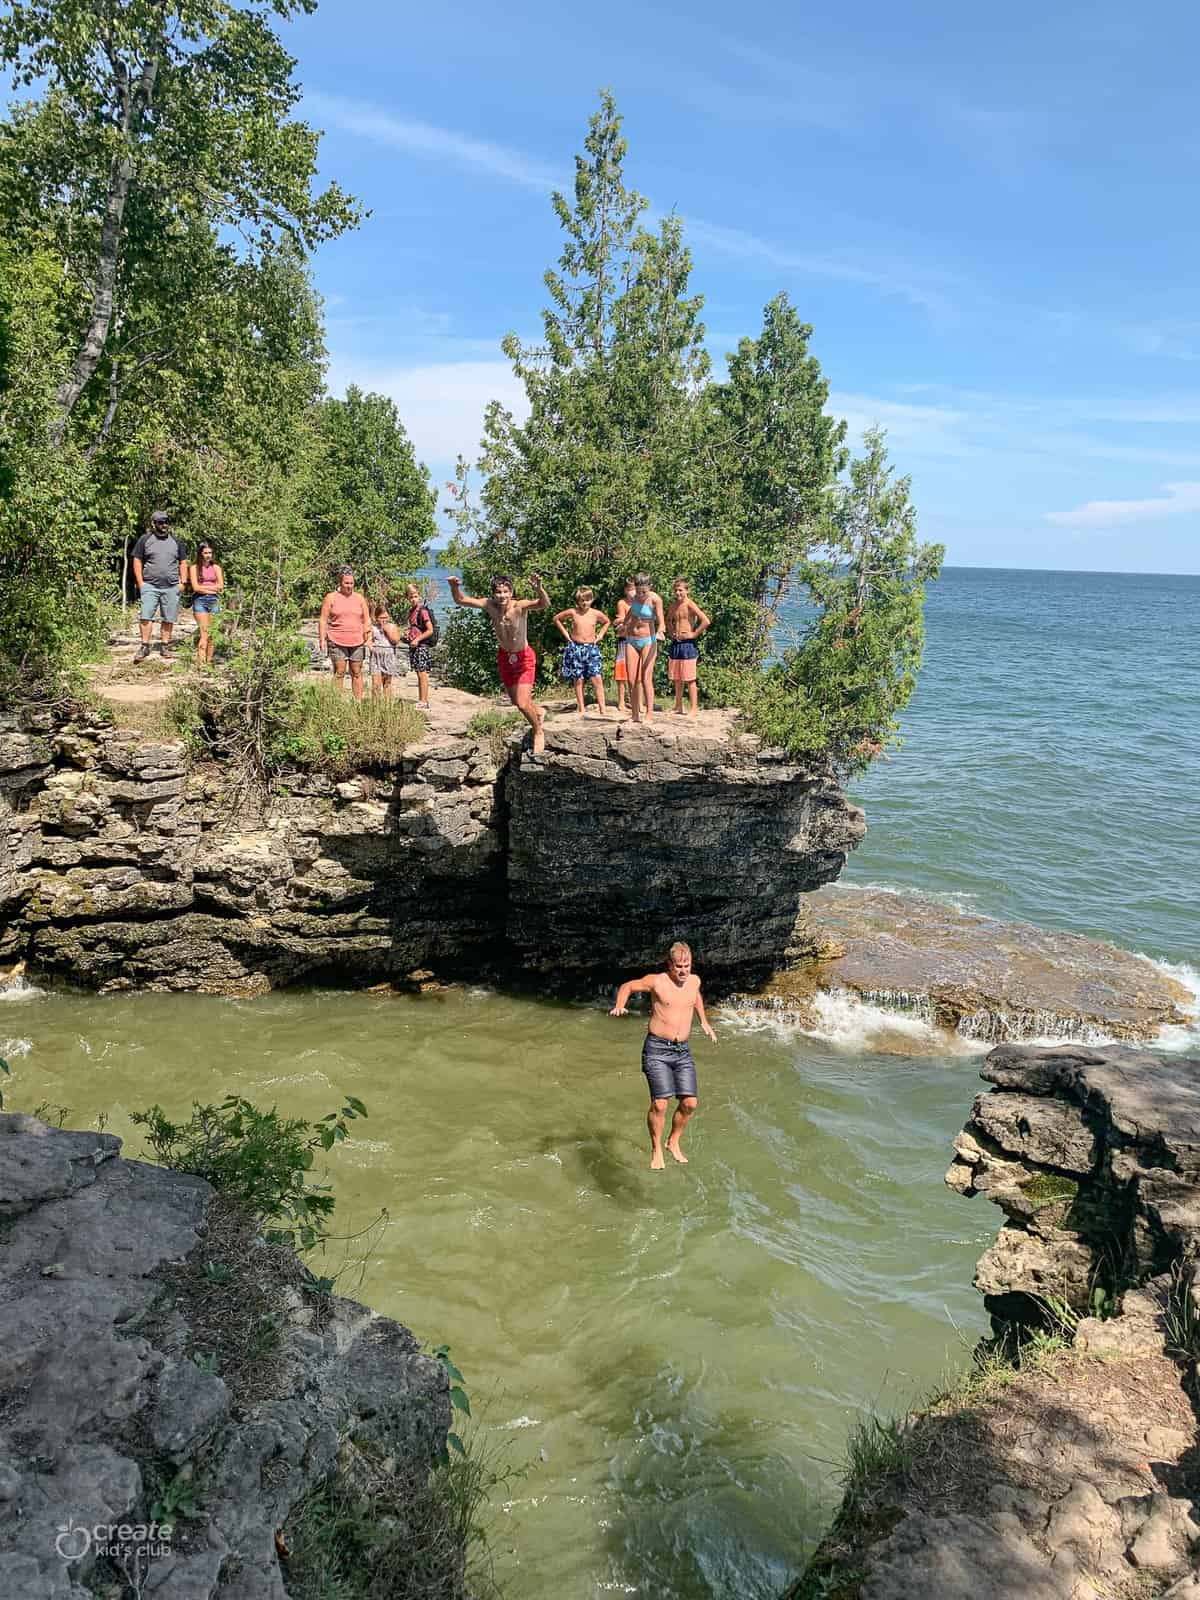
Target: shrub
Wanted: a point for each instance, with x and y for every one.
(258, 1158)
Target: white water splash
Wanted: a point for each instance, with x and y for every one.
(850, 1022)
(1181, 1038)
(18, 989)
(10, 1049)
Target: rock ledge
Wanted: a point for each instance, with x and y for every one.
(105, 1399)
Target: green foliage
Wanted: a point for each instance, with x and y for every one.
(258, 1158)
(496, 727)
(369, 502)
(162, 338)
(328, 731)
(49, 537)
(1044, 1187)
(840, 688)
(176, 1498)
(1181, 1314)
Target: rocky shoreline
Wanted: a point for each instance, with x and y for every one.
(1071, 1472)
(173, 1389)
(129, 865)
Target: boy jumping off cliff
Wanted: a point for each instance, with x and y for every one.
(666, 1055)
(515, 660)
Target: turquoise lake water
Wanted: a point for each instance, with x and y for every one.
(1051, 762)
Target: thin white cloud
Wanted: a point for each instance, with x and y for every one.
(1177, 499)
(917, 429)
(426, 139)
(441, 403)
(748, 246)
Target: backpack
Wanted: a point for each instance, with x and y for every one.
(433, 623)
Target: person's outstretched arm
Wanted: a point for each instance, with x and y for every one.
(634, 986)
(461, 599)
(542, 603)
(704, 1025)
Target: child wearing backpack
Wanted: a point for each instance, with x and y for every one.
(422, 638)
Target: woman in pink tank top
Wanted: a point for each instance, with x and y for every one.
(343, 629)
(208, 581)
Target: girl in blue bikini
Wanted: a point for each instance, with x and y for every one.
(644, 627)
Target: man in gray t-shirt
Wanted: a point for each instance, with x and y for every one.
(160, 569)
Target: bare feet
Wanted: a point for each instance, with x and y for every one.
(677, 1153)
(679, 711)
(656, 1161)
(539, 734)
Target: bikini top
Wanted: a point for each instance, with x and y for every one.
(643, 609)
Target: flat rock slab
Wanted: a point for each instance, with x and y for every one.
(988, 979)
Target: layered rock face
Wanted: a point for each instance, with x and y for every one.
(1072, 1474)
(623, 839)
(130, 866)
(108, 1394)
(1094, 1158)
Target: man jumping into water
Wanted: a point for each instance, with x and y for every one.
(666, 1054)
(515, 659)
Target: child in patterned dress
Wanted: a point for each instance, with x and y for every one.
(581, 658)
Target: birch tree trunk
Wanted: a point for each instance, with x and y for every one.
(91, 349)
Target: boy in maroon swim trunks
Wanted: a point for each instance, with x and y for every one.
(515, 659)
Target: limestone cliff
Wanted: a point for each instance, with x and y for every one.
(171, 1388)
(128, 865)
(1070, 1474)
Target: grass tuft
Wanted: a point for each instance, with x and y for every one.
(333, 733)
(372, 1532)
(495, 726)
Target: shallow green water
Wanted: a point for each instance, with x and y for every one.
(675, 1358)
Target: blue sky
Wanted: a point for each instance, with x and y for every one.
(987, 215)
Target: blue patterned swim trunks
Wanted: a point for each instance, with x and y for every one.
(581, 661)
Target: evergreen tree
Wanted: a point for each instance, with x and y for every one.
(597, 481)
(370, 500)
(839, 690)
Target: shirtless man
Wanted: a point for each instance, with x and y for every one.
(666, 1055)
(514, 656)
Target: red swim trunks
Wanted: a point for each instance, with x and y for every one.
(516, 667)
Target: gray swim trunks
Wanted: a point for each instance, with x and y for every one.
(668, 1066)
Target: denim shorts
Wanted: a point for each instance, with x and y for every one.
(668, 1066)
(209, 603)
(164, 600)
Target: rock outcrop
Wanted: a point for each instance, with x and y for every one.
(129, 865)
(1074, 1473)
(625, 839)
(974, 976)
(166, 1402)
